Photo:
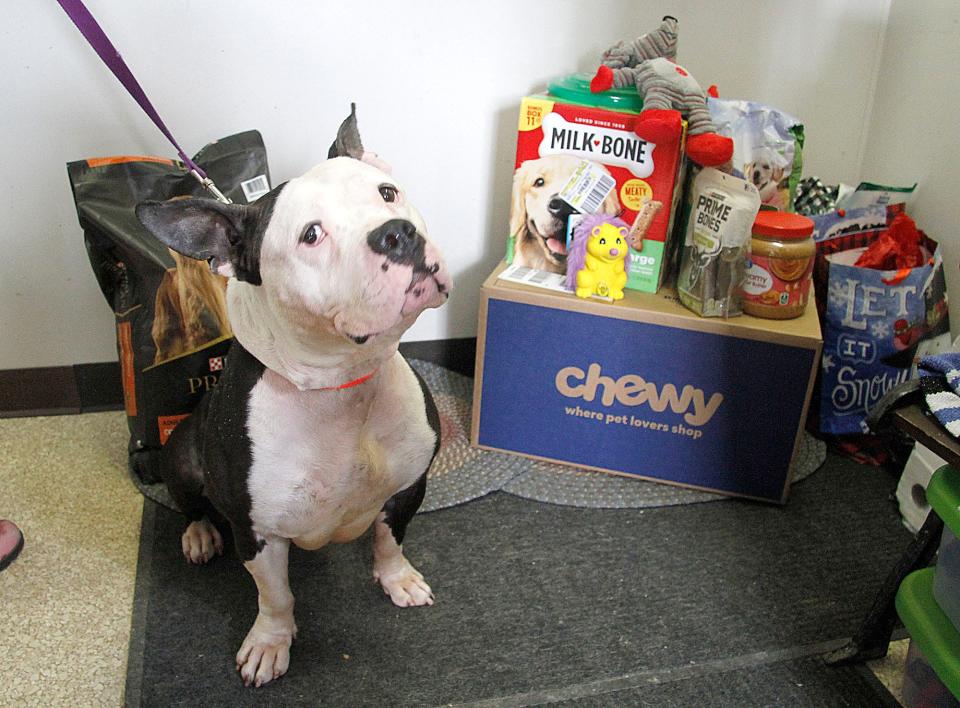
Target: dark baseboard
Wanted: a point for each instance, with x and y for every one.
(458, 355)
(49, 390)
(85, 388)
(99, 386)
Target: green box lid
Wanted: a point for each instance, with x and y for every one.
(575, 88)
(932, 630)
(943, 495)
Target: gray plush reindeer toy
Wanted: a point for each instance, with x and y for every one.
(668, 90)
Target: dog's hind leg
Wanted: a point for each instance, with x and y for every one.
(181, 469)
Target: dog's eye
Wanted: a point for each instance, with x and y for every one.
(538, 182)
(388, 192)
(312, 235)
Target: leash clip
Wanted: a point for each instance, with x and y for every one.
(209, 185)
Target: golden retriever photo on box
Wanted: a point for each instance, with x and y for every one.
(538, 216)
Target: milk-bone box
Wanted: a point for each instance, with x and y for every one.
(560, 131)
(644, 387)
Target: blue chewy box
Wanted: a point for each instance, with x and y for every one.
(644, 387)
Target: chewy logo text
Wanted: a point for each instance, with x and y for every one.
(633, 390)
(611, 147)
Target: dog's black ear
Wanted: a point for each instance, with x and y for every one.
(207, 230)
(348, 142)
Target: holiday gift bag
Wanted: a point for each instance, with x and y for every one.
(172, 328)
(875, 324)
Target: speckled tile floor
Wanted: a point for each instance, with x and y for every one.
(65, 604)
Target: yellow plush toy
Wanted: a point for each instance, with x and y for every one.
(597, 257)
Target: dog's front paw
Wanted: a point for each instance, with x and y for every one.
(265, 653)
(404, 584)
(201, 541)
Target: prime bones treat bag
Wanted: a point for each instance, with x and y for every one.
(172, 329)
(713, 262)
(574, 158)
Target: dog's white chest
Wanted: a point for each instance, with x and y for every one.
(324, 463)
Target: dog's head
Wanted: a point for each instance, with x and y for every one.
(538, 216)
(332, 261)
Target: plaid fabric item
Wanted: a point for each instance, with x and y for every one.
(941, 388)
(813, 197)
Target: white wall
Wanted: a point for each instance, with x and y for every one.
(437, 83)
(913, 134)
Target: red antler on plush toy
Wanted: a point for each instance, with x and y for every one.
(669, 92)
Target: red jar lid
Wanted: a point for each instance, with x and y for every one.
(781, 224)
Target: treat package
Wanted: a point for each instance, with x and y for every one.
(717, 244)
(868, 194)
(578, 154)
(767, 148)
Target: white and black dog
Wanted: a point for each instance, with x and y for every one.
(318, 428)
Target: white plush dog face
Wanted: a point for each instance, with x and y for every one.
(345, 249)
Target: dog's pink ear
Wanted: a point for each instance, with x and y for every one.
(371, 158)
(206, 230)
(347, 143)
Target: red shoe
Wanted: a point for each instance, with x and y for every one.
(11, 542)
(709, 149)
(602, 81)
(658, 125)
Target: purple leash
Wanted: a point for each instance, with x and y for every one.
(104, 48)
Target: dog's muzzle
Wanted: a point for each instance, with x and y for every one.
(554, 242)
(399, 241)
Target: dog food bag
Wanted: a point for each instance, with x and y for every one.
(172, 328)
(717, 244)
(578, 154)
(767, 148)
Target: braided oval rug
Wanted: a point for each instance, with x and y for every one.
(461, 472)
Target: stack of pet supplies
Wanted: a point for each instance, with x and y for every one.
(635, 174)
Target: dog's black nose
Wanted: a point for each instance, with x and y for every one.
(398, 240)
(559, 208)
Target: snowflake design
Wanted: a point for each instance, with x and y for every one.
(838, 293)
(880, 330)
(827, 363)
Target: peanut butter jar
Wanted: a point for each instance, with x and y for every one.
(780, 270)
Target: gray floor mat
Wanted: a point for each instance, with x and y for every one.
(534, 597)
